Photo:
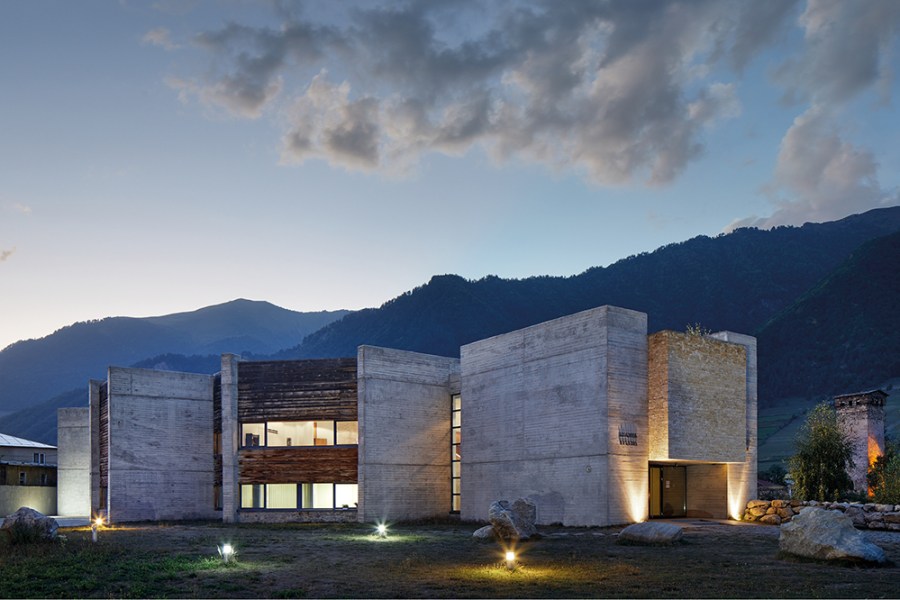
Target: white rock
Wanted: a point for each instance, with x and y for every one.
(827, 535)
(484, 533)
(651, 532)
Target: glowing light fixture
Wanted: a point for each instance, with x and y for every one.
(226, 551)
(98, 522)
(381, 530)
(510, 560)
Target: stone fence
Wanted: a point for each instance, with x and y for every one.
(865, 516)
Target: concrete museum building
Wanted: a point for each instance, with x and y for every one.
(587, 415)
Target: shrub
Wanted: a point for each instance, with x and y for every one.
(884, 476)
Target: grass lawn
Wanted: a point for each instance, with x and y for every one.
(288, 561)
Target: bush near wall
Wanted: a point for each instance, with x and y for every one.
(864, 516)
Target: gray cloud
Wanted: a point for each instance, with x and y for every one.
(820, 176)
(160, 37)
(4, 254)
(847, 49)
(619, 90)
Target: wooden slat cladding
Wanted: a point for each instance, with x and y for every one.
(297, 390)
(217, 403)
(104, 439)
(337, 464)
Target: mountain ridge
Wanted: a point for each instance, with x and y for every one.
(32, 371)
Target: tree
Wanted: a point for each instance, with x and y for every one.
(884, 476)
(819, 467)
(776, 474)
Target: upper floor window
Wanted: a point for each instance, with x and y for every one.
(299, 433)
(38, 458)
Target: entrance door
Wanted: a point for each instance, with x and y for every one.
(667, 491)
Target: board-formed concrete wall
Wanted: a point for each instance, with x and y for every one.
(404, 433)
(698, 398)
(707, 491)
(73, 471)
(161, 445)
(543, 412)
(742, 475)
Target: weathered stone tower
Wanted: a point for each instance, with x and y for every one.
(861, 418)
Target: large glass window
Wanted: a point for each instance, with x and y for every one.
(298, 433)
(281, 495)
(253, 496)
(455, 459)
(347, 432)
(253, 434)
(320, 496)
(346, 495)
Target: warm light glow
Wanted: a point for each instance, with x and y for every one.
(226, 551)
(98, 522)
(510, 559)
(636, 493)
(874, 451)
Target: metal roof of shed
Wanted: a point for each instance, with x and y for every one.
(9, 440)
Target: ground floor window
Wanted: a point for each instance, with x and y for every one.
(300, 496)
(455, 440)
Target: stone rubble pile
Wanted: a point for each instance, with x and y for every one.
(864, 516)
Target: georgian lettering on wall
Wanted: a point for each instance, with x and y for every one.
(628, 435)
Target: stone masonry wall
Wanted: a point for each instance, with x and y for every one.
(861, 418)
(702, 410)
(865, 516)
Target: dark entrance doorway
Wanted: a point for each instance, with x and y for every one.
(668, 485)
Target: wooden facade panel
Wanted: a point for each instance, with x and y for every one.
(301, 390)
(337, 464)
(104, 441)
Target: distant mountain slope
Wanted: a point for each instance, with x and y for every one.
(843, 335)
(736, 281)
(34, 370)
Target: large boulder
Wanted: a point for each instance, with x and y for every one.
(27, 524)
(484, 533)
(513, 520)
(827, 535)
(651, 532)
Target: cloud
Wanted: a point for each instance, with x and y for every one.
(847, 49)
(160, 37)
(4, 254)
(819, 176)
(620, 91)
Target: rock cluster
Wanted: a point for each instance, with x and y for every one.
(863, 516)
(827, 535)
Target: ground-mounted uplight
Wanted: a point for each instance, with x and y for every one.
(98, 522)
(381, 530)
(226, 551)
(510, 560)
